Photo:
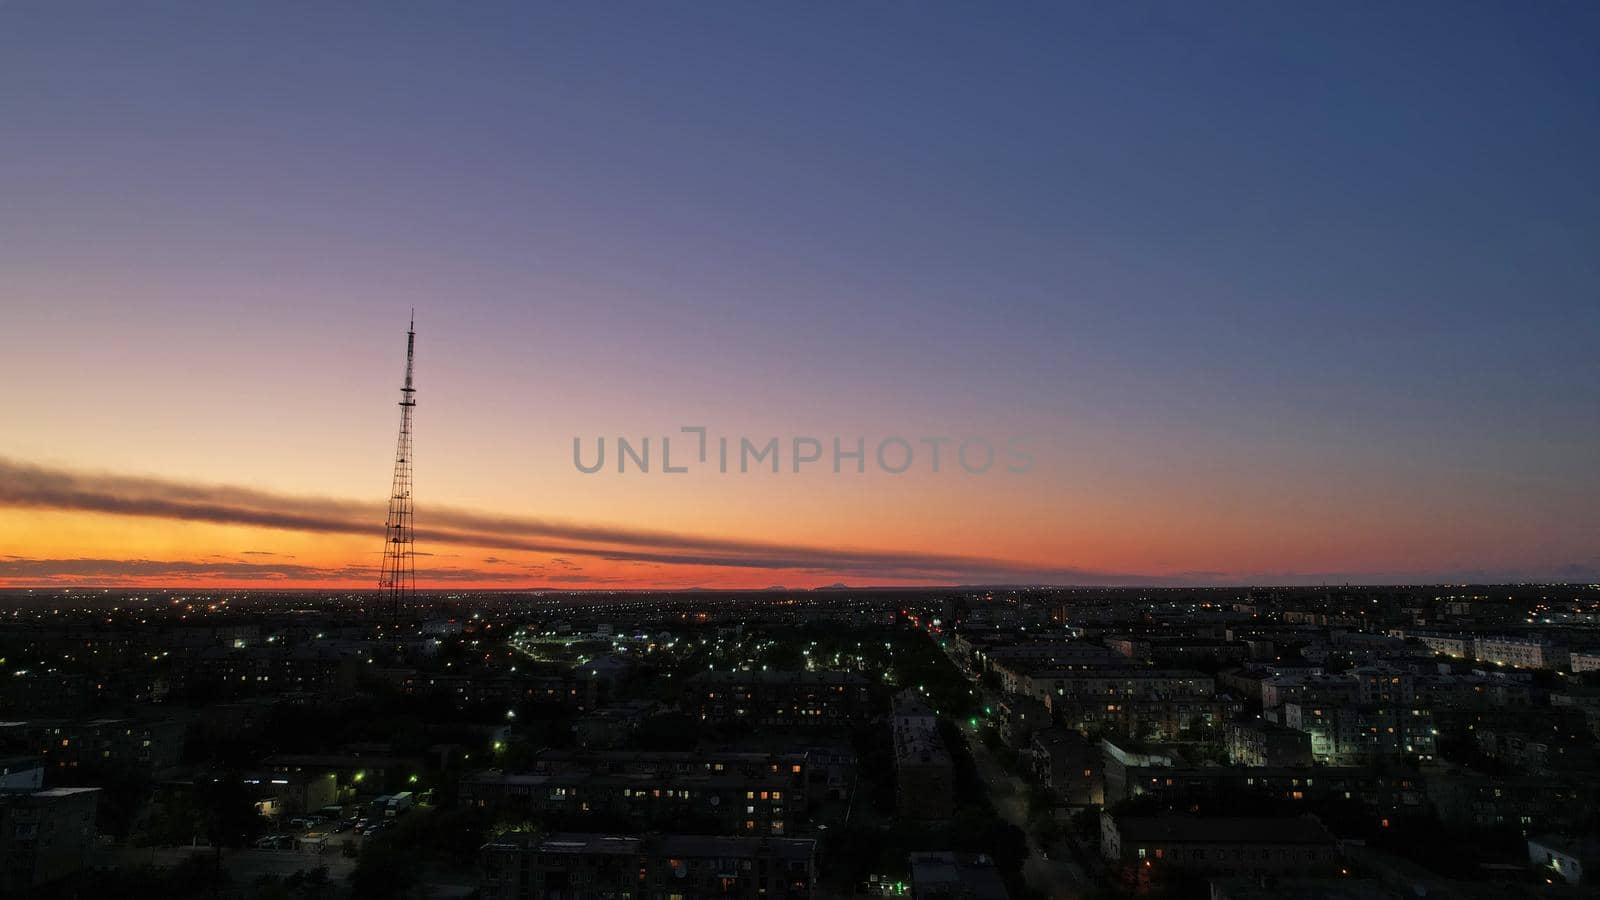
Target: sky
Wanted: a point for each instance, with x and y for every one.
(1270, 293)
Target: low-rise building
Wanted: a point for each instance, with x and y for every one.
(1521, 652)
(241, 670)
(1527, 802)
(354, 771)
(1184, 649)
(45, 835)
(1284, 688)
(1068, 764)
(1349, 734)
(1474, 689)
(137, 744)
(1584, 699)
(1261, 743)
(1453, 644)
(21, 773)
(830, 771)
(1536, 753)
(1156, 720)
(726, 803)
(1384, 684)
(1574, 860)
(1019, 717)
(924, 770)
(1122, 757)
(1301, 845)
(1341, 888)
(779, 698)
(610, 726)
(1010, 660)
(293, 793)
(1383, 792)
(690, 867)
(947, 875)
(1130, 646)
(1118, 683)
(818, 772)
(471, 689)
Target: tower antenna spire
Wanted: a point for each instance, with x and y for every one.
(397, 583)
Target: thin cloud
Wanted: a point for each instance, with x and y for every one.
(26, 485)
(29, 486)
(113, 570)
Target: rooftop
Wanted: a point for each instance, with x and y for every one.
(944, 872)
(781, 676)
(1195, 829)
(676, 846)
(1306, 889)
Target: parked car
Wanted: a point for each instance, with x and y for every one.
(275, 842)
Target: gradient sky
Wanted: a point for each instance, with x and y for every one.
(1278, 292)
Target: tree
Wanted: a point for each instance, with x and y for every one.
(384, 871)
(228, 812)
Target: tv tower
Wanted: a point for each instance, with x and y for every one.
(397, 585)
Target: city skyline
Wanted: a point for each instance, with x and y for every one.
(714, 450)
(1295, 298)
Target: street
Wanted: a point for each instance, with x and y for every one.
(1050, 870)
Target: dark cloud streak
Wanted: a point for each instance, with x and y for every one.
(85, 568)
(31, 486)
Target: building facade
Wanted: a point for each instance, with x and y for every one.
(581, 866)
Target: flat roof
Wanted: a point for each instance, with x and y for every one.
(667, 845)
(575, 842)
(943, 869)
(707, 757)
(727, 845)
(1307, 889)
(776, 676)
(638, 780)
(1216, 830)
(62, 792)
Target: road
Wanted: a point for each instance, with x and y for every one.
(1049, 870)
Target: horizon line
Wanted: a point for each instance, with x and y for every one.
(781, 589)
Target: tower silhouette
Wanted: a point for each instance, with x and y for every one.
(397, 584)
